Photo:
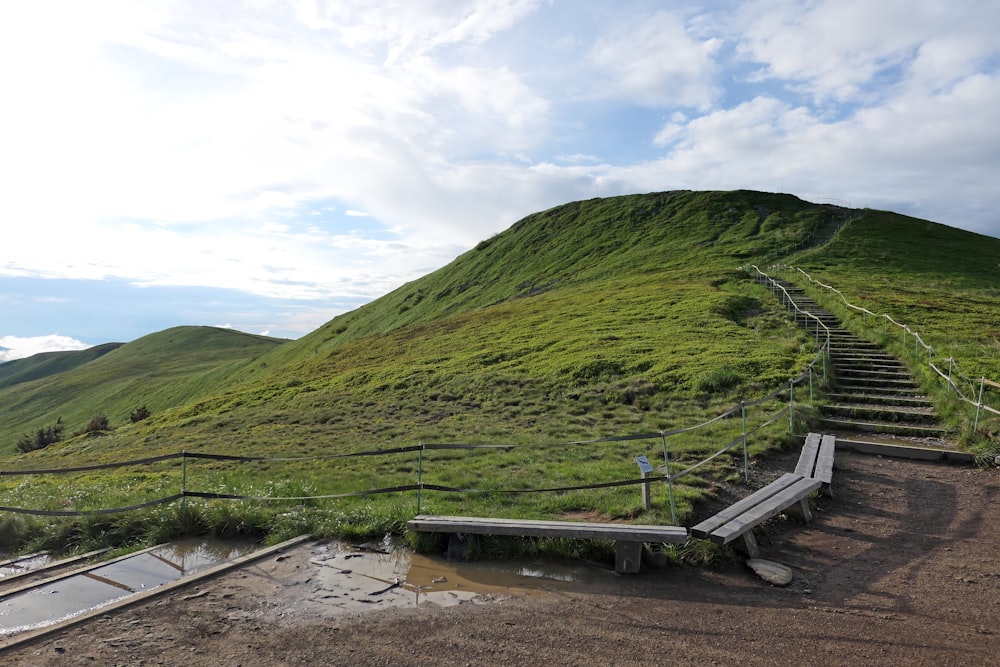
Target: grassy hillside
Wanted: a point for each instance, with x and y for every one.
(45, 364)
(159, 371)
(607, 317)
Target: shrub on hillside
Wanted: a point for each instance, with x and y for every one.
(99, 424)
(42, 438)
(139, 414)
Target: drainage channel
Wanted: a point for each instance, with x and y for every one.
(14, 567)
(23, 570)
(63, 597)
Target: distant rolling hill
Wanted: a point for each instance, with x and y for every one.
(158, 371)
(45, 364)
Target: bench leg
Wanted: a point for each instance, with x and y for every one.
(458, 547)
(628, 557)
(801, 511)
(750, 544)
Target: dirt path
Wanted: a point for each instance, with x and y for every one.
(901, 567)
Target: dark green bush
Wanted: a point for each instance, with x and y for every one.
(42, 438)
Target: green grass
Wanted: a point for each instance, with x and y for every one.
(601, 318)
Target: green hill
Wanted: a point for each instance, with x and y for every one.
(158, 371)
(45, 364)
(600, 318)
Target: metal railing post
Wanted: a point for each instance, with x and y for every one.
(184, 479)
(791, 406)
(670, 480)
(746, 458)
(979, 405)
(420, 474)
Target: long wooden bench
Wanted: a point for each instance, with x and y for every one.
(628, 537)
(789, 493)
(816, 460)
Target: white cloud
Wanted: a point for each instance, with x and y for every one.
(16, 347)
(931, 155)
(406, 27)
(654, 60)
(836, 50)
(313, 150)
(293, 122)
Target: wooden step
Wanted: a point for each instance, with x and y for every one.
(877, 389)
(886, 413)
(882, 427)
(884, 399)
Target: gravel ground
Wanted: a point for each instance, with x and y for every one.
(901, 567)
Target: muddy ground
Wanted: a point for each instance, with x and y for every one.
(902, 566)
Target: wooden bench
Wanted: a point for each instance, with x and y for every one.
(628, 537)
(789, 493)
(816, 460)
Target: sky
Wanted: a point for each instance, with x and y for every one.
(267, 165)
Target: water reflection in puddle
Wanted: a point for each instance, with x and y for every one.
(76, 594)
(356, 579)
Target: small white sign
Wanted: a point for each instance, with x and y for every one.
(644, 464)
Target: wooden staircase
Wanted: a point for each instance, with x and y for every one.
(873, 392)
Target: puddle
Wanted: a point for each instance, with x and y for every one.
(16, 566)
(352, 579)
(329, 577)
(70, 596)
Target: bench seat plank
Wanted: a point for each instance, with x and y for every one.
(807, 459)
(774, 505)
(537, 528)
(824, 460)
(706, 527)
